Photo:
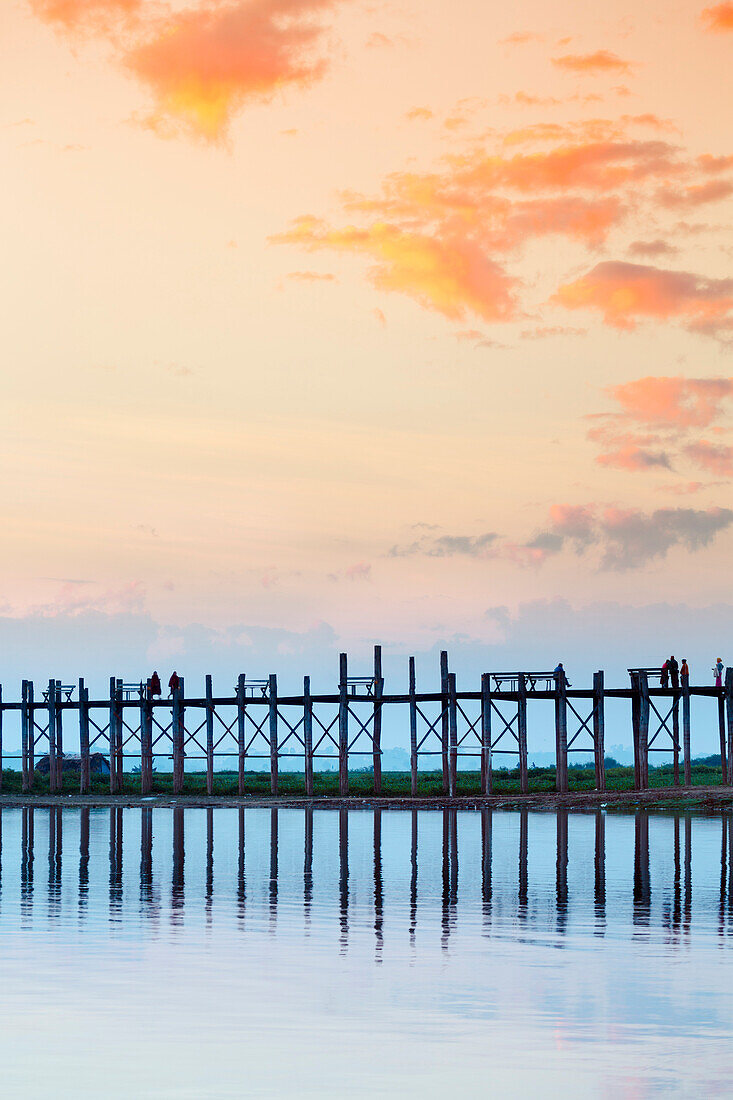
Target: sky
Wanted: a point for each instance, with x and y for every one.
(334, 322)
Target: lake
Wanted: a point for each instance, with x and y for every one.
(322, 953)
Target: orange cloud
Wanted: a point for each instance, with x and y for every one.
(205, 63)
(602, 61)
(717, 458)
(310, 277)
(449, 274)
(625, 293)
(719, 17)
(96, 15)
(697, 195)
(673, 401)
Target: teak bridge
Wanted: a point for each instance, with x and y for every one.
(256, 723)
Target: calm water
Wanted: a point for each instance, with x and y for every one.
(228, 953)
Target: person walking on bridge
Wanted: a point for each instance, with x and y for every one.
(674, 672)
(718, 672)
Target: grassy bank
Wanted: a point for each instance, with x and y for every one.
(361, 783)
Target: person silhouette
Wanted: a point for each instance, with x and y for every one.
(174, 683)
(155, 688)
(674, 672)
(718, 672)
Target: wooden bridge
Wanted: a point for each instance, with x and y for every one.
(255, 723)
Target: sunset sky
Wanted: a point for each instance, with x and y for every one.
(329, 323)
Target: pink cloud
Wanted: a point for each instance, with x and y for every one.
(673, 401)
(98, 16)
(625, 293)
(719, 18)
(602, 61)
(717, 458)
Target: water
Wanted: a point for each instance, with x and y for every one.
(228, 953)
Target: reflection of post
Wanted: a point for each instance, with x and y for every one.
(209, 859)
(453, 857)
(446, 879)
(241, 875)
(178, 860)
(486, 830)
(273, 865)
(308, 863)
(146, 850)
(688, 872)
(26, 859)
(600, 864)
(523, 848)
(723, 869)
(378, 892)
(83, 856)
(413, 877)
(561, 877)
(344, 876)
(729, 716)
(642, 885)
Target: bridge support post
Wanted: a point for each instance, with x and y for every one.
(209, 689)
(561, 734)
(24, 734)
(676, 729)
(31, 702)
(1, 737)
(377, 720)
(444, 721)
(413, 729)
(146, 740)
(522, 733)
(721, 733)
(178, 738)
(453, 735)
(241, 732)
(120, 731)
(112, 733)
(272, 696)
(308, 736)
(644, 732)
(343, 726)
(485, 733)
(599, 731)
(635, 720)
(52, 736)
(84, 768)
(729, 714)
(686, 738)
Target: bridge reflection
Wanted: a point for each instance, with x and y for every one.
(204, 859)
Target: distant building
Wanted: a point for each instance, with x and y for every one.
(98, 764)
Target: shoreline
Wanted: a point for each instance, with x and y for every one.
(714, 797)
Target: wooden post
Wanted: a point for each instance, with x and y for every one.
(599, 730)
(31, 733)
(485, 733)
(84, 766)
(272, 696)
(721, 732)
(52, 736)
(59, 740)
(1, 737)
(413, 728)
(146, 740)
(119, 737)
(24, 731)
(241, 731)
(177, 720)
(676, 725)
(444, 720)
(343, 727)
(377, 721)
(644, 731)
(453, 735)
(635, 720)
(729, 710)
(561, 734)
(209, 736)
(686, 739)
(675, 745)
(308, 736)
(522, 733)
(112, 735)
